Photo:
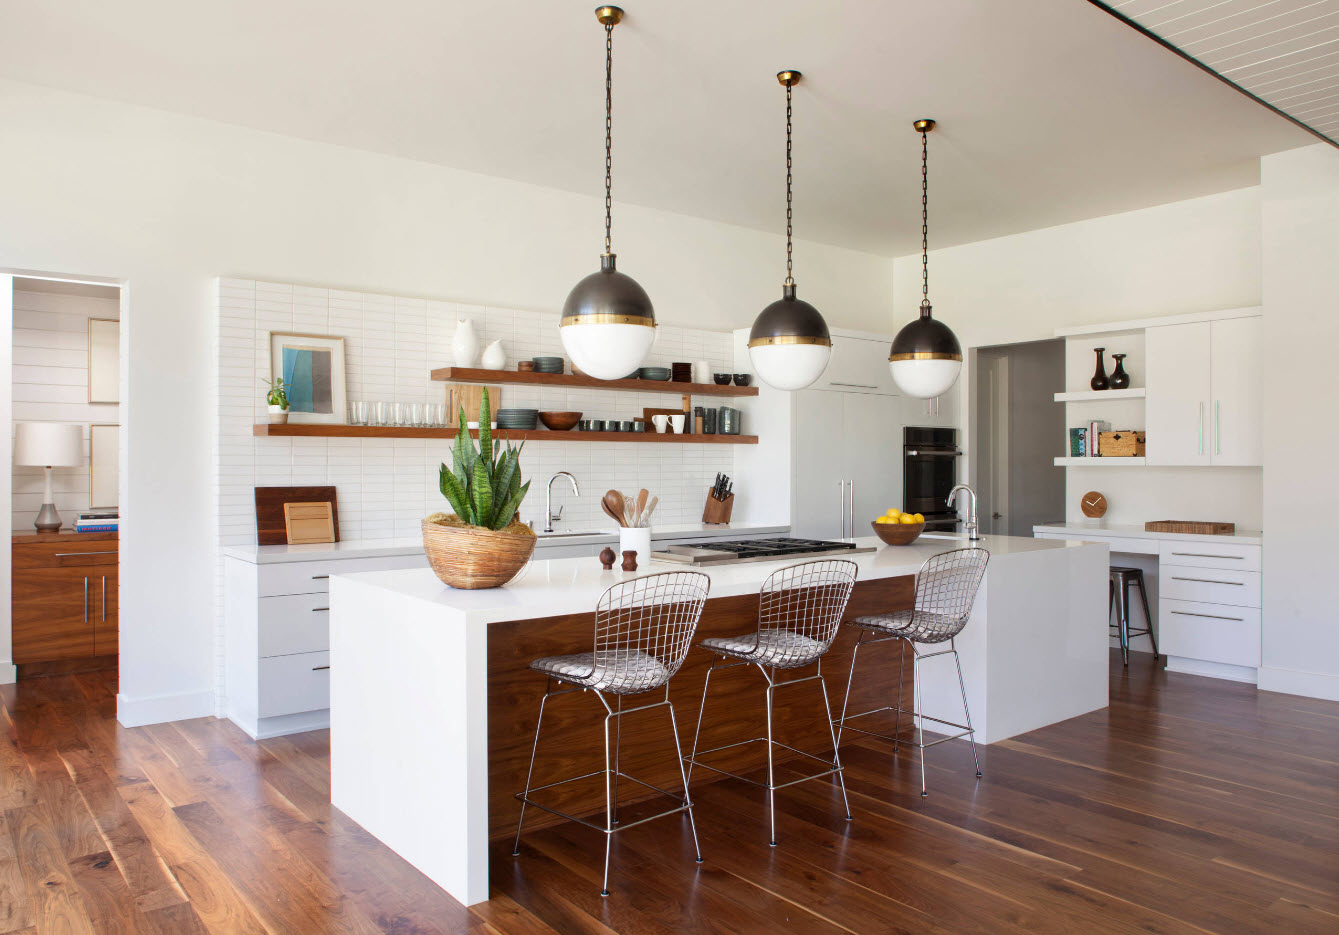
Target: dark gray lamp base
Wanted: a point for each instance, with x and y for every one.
(48, 520)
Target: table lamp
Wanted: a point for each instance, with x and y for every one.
(48, 445)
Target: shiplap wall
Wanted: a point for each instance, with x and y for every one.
(51, 385)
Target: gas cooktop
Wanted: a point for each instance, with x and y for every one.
(734, 551)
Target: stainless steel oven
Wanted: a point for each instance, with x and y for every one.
(929, 471)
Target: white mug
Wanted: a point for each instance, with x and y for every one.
(676, 422)
(660, 422)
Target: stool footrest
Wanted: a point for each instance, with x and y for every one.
(776, 743)
(963, 729)
(683, 805)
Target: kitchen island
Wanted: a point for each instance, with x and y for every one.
(433, 708)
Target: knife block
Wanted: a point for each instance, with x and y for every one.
(717, 512)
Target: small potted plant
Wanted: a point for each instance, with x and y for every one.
(483, 544)
(278, 401)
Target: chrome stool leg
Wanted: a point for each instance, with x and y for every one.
(609, 780)
(516, 846)
(962, 686)
(920, 711)
(1123, 620)
(836, 755)
(901, 677)
(692, 822)
(618, 744)
(1148, 617)
(771, 780)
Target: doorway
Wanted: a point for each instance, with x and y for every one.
(1019, 426)
(64, 411)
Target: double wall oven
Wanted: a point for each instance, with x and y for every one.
(929, 470)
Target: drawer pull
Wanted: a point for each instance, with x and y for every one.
(317, 610)
(1238, 558)
(863, 386)
(80, 554)
(1239, 584)
(319, 668)
(1187, 613)
(319, 577)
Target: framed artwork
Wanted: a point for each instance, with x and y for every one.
(312, 366)
(104, 466)
(104, 360)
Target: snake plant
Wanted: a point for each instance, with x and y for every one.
(483, 485)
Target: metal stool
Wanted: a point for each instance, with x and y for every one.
(1118, 595)
(643, 628)
(946, 586)
(799, 610)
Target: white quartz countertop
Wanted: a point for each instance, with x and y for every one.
(551, 587)
(413, 545)
(1098, 528)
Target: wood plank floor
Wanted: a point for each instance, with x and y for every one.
(1190, 805)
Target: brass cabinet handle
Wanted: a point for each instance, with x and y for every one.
(76, 554)
(1239, 584)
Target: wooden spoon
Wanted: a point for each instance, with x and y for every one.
(613, 505)
(641, 505)
(650, 508)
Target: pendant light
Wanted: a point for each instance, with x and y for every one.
(925, 357)
(608, 323)
(789, 343)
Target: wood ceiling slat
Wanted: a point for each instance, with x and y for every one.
(1247, 24)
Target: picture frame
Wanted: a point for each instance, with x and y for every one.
(312, 366)
(104, 360)
(104, 466)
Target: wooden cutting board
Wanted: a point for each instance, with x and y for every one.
(309, 522)
(470, 395)
(270, 526)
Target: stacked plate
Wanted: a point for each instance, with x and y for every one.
(655, 373)
(683, 372)
(547, 364)
(517, 418)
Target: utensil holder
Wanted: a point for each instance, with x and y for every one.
(717, 512)
(635, 539)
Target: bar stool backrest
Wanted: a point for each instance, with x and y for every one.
(946, 587)
(644, 626)
(808, 600)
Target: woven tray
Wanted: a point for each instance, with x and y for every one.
(1191, 527)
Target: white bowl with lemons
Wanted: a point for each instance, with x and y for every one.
(898, 528)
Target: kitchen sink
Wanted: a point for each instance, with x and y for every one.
(570, 535)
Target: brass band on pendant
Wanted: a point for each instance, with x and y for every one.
(925, 355)
(606, 318)
(790, 339)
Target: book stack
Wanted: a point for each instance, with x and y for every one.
(1095, 430)
(98, 521)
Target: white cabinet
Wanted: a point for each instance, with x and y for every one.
(1204, 386)
(858, 365)
(848, 462)
(937, 411)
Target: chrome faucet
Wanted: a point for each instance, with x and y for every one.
(971, 510)
(551, 517)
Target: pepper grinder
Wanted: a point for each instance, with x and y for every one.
(630, 560)
(607, 558)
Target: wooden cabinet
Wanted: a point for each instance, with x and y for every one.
(65, 596)
(1204, 387)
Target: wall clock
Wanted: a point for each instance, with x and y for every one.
(1093, 504)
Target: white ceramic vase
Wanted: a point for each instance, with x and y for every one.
(278, 415)
(465, 345)
(494, 357)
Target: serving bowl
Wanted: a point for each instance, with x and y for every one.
(559, 421)
(898, 533)
(722, 379)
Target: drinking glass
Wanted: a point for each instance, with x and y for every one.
(439, 414)
(382, 414)
(416, 415)
(401, 415)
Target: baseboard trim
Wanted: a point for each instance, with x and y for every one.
(266, 727)
(1213, 670)
(1297, 682)
(155, 709)
(9, 673)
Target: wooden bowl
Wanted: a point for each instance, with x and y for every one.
(898, 533)
(559, 421)
(470, 557)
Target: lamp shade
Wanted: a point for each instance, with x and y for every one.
(608, 323)
(789, 343)
(49, 444)
(925, 358)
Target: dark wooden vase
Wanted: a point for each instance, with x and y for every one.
(1099, 380)
(1120, 380)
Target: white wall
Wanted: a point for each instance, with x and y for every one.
(7, 671)
(1189, 256)
(1301, 298)
(166, 203)
(50, 384)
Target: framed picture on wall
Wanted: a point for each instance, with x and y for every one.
(312, 366)
(104, 360)
(104, 466)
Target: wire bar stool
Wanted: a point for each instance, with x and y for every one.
(643, 628)
(800, 609)
(946, 587)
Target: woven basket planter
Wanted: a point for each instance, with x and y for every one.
(471, 557)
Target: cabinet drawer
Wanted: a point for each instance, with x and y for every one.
(1113, 543)
(293, 623)
(64, 554)
(1212, 632)
(1211, 555)
(314, 577)
(289, 684)
(1209, 585)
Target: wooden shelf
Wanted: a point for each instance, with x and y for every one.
(572, 381)
(265, 429)
(1092, 396)
(1100, 462)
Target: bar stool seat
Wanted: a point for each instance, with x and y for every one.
(630, 673)
(774, 648)
(921, 627)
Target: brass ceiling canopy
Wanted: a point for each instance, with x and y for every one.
(924, 125)
(609, 15)
(789, 78)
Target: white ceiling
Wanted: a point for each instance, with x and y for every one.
(1285, 52)
(1049, 110)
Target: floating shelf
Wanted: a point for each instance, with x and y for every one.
(1100, 462)
(574, 382)
(1087, 396)
(266, 429)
